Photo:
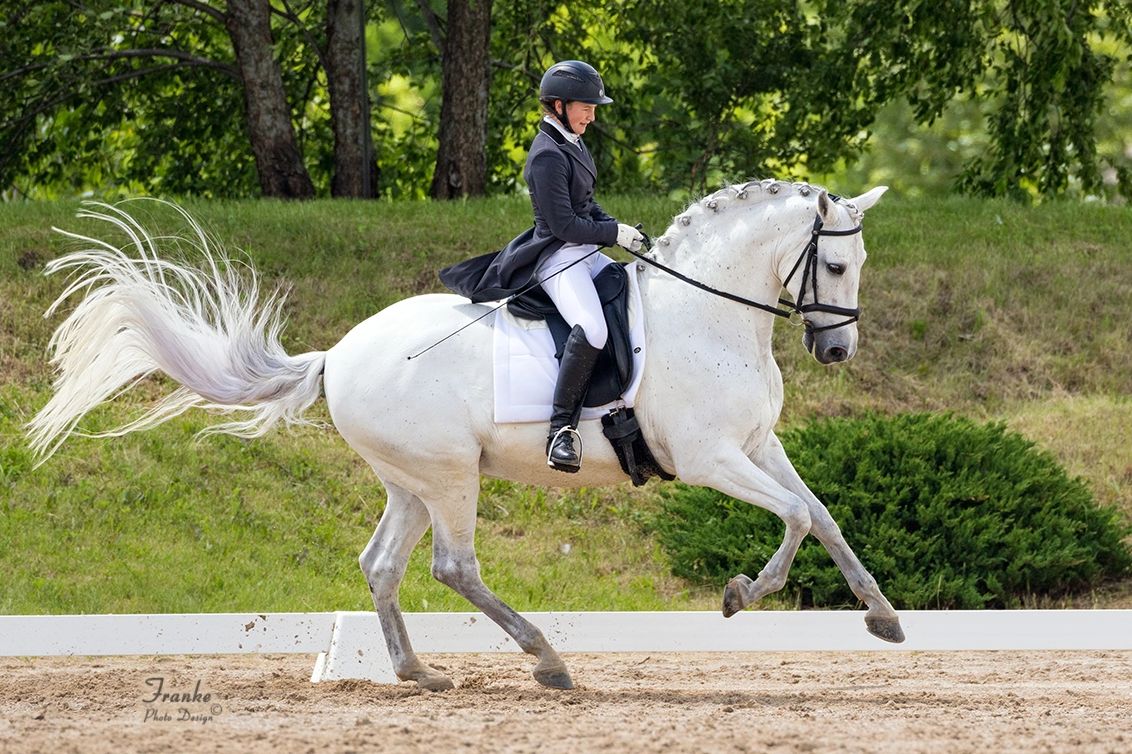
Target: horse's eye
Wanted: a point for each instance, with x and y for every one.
(836, 269)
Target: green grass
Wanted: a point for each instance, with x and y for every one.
(988, 309)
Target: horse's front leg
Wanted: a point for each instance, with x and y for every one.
(880, 619)
(730, 471)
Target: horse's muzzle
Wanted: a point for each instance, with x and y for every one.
(827, 350)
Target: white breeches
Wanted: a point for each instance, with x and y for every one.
(572, 290)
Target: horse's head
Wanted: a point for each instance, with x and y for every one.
(747, 242)
(823, 277)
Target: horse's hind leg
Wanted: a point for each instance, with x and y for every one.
(383, 562)
(454, 563)
(880, 619)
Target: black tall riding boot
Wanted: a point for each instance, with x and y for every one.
(578, 359)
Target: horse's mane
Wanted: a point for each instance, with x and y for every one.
(748, 194)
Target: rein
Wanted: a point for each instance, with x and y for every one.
(809, 276)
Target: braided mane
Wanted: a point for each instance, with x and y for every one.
(747, 194)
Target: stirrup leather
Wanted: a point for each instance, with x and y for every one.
(553, 440)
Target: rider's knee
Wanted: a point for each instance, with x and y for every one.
(596, 332)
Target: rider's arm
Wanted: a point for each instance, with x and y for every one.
(599, 214)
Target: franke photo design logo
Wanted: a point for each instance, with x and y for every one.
(166, 704)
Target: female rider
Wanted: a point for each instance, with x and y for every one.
(561, 250)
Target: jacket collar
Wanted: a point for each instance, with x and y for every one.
(579, 152)
(573, 138)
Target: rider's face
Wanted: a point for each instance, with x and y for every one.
(580, 115)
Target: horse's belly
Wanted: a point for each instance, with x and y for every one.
(518, 452)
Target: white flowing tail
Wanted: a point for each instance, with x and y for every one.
(203, 326)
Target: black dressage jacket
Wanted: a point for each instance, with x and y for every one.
(561, 178)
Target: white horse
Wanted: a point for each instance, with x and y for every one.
(707, 404)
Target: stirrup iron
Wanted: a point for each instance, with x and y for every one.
(550, 449)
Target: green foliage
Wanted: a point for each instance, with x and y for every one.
(1050, 81)
(121, 97)
(945, 513)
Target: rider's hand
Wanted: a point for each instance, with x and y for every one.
(629, 237)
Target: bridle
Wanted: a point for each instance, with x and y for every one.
(809, 256)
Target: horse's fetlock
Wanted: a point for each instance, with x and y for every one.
(864, 585)
(774, 583)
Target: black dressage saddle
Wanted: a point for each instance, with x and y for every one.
(613, 371)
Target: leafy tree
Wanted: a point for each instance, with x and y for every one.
(278, 161)
(141, 76)
(719, 81)
(1042, 65)
(343, 58)
(146, 92)
(93, 92)
(792, 89)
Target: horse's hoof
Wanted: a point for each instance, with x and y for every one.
(428, 679)
(733, 595)
(553, 678)
(436, 683)
(885, 628)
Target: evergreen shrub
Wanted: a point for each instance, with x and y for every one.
(944, 512)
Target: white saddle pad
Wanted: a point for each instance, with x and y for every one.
(526, 370)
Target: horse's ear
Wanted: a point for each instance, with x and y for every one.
(869, 198)
(825, 206)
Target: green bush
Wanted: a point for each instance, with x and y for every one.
(944, 512)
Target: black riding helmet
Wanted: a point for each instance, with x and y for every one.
(570, 81)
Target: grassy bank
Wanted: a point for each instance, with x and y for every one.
(987, 309)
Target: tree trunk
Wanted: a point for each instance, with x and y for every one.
(354, 168)
(461, 161)
(278, 162)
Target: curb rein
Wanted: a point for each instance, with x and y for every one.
(809, 276)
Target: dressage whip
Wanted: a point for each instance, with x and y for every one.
(647, 243)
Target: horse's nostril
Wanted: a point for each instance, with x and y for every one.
(837, 353)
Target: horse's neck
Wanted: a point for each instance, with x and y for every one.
(696, 319)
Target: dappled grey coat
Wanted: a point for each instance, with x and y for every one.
(561, 177)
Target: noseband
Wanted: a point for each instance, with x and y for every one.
(809, 255)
